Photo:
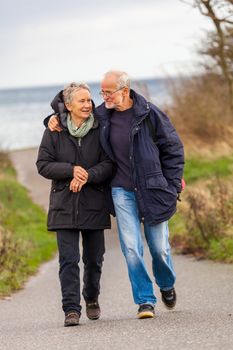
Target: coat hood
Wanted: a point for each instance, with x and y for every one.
(57, 103)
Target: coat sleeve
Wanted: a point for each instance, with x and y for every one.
(46, 163)
(46, 120)
(171, 150)
(102, 171)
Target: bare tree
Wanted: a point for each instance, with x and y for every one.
(220, 42)
(210, 47)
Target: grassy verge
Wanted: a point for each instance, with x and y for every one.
(202, 169)
(203, 225)
(24, 240)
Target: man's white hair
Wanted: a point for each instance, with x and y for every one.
(70, 89)
(122, 78)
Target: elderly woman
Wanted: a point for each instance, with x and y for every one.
(79, 169)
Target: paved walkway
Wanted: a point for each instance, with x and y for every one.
(203, 319)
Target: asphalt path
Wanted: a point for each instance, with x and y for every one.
(32, 318)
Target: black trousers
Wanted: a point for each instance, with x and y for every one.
(69, 273)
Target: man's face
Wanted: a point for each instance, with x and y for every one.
(112, 95)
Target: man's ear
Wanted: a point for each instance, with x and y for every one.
(126, 90)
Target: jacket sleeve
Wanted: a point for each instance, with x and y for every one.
(46, 120)
(170, 149)
(102, 171)
(47, 164)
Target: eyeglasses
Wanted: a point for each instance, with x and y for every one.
(109, 93)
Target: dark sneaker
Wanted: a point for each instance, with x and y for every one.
(169, 298)
(92, 310)
(71, 318)
(146, 311)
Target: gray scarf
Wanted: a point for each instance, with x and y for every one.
(84, 128)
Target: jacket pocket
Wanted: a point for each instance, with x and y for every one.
(59, 186)
(156, 180)
(92, 198)
(60, 196)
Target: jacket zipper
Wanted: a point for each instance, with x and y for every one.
(134, 131)
(131, 139)
(77, 194)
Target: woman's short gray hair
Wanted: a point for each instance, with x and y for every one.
(70, 89)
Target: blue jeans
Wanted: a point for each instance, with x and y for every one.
(129, 229)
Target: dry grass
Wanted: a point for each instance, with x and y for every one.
(202, 115)
(207, 211)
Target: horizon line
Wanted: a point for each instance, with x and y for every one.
(6, 88)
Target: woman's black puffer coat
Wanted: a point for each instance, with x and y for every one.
(58, 153)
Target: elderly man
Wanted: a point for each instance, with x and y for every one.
(145, 186)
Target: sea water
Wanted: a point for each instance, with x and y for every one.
(23, 110)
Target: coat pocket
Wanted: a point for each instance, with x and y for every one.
(92, 198)
(59, 186)
(156, 180)
(60, 196)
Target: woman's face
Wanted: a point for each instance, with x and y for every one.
(80, 107)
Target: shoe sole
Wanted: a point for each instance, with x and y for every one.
(146, 314)
(169, 307)
(71, 324)
(93, 318)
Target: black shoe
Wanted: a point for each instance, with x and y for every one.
(169, 298)
(92, 310)
(146, 311)
(71, 318)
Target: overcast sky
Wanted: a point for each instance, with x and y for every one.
(57, 41)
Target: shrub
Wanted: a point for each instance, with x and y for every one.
(209, 219)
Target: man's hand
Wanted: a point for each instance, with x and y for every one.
(76, 186)
(53, 124)
(80, 174)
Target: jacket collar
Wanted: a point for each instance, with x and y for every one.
(140, 105)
